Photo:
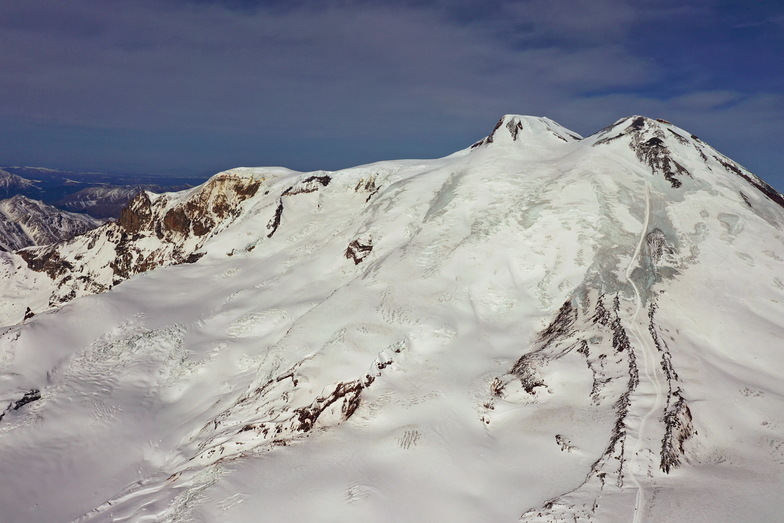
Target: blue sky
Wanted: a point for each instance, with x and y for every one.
(198, 86)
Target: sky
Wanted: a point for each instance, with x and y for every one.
(193, 87)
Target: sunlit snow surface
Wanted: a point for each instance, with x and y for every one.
(280, 378)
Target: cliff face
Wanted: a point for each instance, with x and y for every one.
(152, 231)
(171, 217)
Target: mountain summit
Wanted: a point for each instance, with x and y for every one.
(540, 327)
(528, 131)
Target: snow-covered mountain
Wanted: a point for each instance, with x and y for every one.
(101, 195)
(540, 327)
(10, 183)
(153, 230)
(25, 222)
(104, 201)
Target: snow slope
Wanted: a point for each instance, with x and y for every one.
(539, 327)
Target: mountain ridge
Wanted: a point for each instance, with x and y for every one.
(25, 222)
(99, 194)
(530, 303)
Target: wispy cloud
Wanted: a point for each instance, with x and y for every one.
(373, 76)
(196, 64)
(705, 100)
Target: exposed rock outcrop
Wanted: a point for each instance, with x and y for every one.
(152, 231)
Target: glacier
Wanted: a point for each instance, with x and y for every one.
(539, 327)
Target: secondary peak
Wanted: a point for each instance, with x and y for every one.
(524, 129)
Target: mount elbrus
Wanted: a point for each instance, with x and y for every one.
(540, 327)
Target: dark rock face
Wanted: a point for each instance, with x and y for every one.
(526, 368)
(274, 223)
(597, 327)
(522, 128)
(29, 397)
(678, 428)
(677, 416)
(347, 393)
(46, 260)
(308, 185)
(657, 156)
(274, 414)
(568, 332)
(490, 136)
(761, 186)
(369, 186)
(561, 326)
(514, 128)
(358, 251)
(197, 216)
(648, 141)
(653, 150)
(177, 220)
(137, 215)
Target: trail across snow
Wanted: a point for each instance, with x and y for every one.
(649, 357)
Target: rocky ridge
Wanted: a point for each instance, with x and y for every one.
(152, 231)
(102, 201)
(10, 182)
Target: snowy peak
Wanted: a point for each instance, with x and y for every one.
(10, 181)
(652, 142)
(528, 130)
(540, 302)
(679, 156)
(104, 201)
(25, 222)
(157, 230)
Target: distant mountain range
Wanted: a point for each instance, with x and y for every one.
(103, 201)
(11, 184)
(101, 195)
(44, 206)
(25, 223)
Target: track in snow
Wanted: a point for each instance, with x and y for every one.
(649, 356)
